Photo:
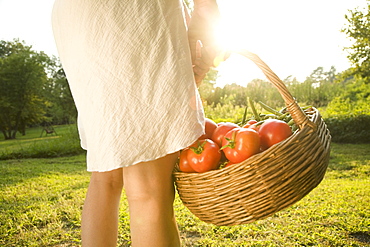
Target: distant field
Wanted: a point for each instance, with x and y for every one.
(37, 144)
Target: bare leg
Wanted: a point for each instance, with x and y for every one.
(150, 193)
(100, 211)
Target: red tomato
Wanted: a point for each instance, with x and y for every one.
(210, 127)
(249, 123)
(273, 131)
(204, 155)
(240, 143)
(246, 126)
(255, 127)
(184, 163)
(252, 121)
(221, 130)
(252, 124)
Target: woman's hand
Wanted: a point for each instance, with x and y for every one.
(201, 37)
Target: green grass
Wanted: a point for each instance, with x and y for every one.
(36, 144)
(41, 201)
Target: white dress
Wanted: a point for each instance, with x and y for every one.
(129, 69)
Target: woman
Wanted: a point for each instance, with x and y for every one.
(133, 80)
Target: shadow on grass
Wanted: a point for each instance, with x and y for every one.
(363, 237)
(349, 160)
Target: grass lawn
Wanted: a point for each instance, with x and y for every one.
(36, 143)
(33, 135)
(41, 201)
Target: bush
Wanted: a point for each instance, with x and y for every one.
(224, 113)
(349, 128)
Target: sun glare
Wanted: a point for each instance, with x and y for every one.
(230, 37)
(233, 34)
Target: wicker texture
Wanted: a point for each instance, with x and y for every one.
(267, 182)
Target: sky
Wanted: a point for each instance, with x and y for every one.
(293, 37)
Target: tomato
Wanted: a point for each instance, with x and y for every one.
(273, 131)
(210, 127)
(240, 143)
(249, 123)
(252, 124)
(204, 155)
(255, 127)
(252, 121)
(184, 163)
(221, 130)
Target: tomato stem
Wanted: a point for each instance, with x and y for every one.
(199, 148)
(231, 141)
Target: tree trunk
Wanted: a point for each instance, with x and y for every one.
(14, 134)
(6, 136)
(16, 125)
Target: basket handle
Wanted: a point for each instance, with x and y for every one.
(298, 115)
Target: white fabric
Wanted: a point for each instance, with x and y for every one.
(129, 69)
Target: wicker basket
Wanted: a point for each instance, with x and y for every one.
(266, 182)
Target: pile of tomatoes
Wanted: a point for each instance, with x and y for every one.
(226, 143)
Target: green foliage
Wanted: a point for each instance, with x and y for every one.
(348, 115)
(33, 89)
(349, 128)
(228, 112)
(343, 98)
(22, 77)
(358, 29)
(206, 88)
(61, 108)
(317, 90)
(264, 91)
(353, 100)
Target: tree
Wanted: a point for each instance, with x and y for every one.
(358, 29)
(264, 91)
(353, 99)
(61, 108)
(22, 77)
(318, 88)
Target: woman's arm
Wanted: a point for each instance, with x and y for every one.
(201, 36)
